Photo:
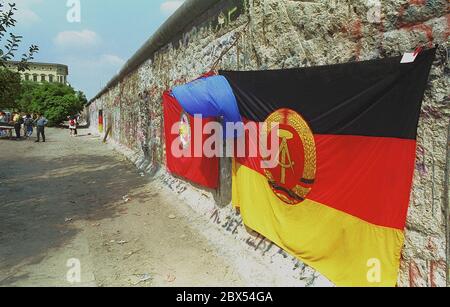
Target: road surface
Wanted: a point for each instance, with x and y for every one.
(74, 213)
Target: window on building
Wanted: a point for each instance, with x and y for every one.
(42, 78)
(35, 78)
(50, 78)
(27, 77)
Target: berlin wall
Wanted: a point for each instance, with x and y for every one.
(269, 34)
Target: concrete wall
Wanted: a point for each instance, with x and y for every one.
(269, 34)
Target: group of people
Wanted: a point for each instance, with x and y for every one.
(25, 123)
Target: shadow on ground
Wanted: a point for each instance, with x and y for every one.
(40, 197)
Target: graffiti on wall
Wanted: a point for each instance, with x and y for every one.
(409, 17)
(133, 108)
(233, 224)
(217, 18)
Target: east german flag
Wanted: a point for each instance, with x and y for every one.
(180, 134)
(339, 196)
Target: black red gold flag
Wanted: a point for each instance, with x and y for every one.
(339, 196)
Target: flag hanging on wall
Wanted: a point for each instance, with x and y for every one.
(180, 152)
(209, 96)
(338, 195)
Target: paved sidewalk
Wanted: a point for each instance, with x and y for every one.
(73, 201)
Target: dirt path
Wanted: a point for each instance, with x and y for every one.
(65, 201)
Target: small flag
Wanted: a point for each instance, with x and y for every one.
(181, 138)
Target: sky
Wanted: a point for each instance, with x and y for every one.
(93, 37)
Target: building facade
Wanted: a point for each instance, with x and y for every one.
(42, 72)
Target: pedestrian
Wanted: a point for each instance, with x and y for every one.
(77, 120)
(28, 125)
(24, 127)
(18, 121)
(41, 122)
(72, 126)
(4, 121)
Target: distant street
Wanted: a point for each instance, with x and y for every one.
(73, 200)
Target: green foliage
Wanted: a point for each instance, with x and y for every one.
(56, 101)
(10, 88)
(10, 47)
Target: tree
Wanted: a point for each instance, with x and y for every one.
(9, 49)
(55, 100)
(10, 88)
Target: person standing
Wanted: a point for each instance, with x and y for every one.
(18, 121)
(41, 122)
(3, 120)
(72, 126)
(24, 127)
(28, 125)
(77, 118)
